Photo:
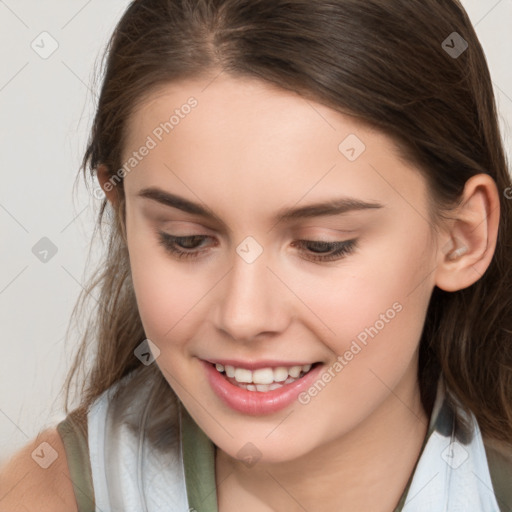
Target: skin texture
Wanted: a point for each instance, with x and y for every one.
(245, 151)
(26, 486)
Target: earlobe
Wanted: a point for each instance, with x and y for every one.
(469, 248)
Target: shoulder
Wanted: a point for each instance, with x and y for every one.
(37, 477)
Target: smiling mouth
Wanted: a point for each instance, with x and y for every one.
(263, 379)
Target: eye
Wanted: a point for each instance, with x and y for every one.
(316, 250)
(181, 246)
(326, 251)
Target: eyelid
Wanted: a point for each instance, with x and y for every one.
(162, 218)
(320, 230)
(184, 225)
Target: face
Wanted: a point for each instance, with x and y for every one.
(346, 288)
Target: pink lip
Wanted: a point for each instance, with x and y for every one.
(257, 403)
(256, 364)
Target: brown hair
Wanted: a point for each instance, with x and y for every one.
(382, 61)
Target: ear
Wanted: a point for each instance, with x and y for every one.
(472, 234)
(107, 186)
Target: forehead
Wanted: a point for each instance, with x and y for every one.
(234, 137)
(238, 109)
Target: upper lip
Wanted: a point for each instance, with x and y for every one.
(254, 365)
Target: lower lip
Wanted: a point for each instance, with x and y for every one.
(257, 403)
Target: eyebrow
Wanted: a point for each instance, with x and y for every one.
(331, 207)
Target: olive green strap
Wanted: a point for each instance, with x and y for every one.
(500, 469)
(73, 431)
(199, 463)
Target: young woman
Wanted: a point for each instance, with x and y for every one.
(306, 301)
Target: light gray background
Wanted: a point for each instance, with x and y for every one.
(46, 109)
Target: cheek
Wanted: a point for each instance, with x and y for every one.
(165, 291)
(377, 298)
(377, 311)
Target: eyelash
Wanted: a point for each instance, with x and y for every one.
(341, 249)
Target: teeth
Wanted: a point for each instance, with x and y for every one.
(243, 375)
(268, 387)
(280, 374)
(294, 371)
(264, 376)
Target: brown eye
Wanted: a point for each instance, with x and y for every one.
(326, 251)
(181, 246)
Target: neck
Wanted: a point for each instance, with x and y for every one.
(379, 455)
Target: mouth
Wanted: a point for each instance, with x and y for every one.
(264, 379)
(264, 390)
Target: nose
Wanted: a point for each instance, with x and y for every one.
(253, 301)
